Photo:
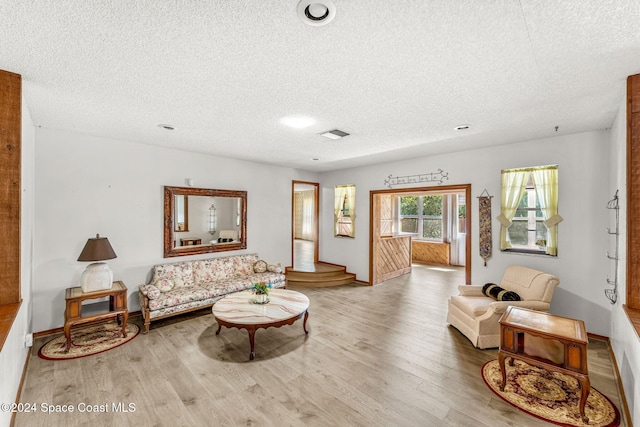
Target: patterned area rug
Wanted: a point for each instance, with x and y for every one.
(88, 341)
(550, 396)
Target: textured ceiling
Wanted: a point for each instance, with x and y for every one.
(399, 76)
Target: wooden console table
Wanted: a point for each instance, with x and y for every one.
(190, 241)
(568, 335)
(117, 307)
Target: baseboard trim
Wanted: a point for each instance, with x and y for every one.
(19, 392)
(614, 362)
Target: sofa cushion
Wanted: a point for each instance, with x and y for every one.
(277, 280)
(150, 291)
(274, 268)
(260, 266)
(214, 269)
(223, 287)
(180, 295)
(181, 273)
(472, 306)
(164, 285)
(496, 292)
(243, 264)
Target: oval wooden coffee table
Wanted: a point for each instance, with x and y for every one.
(237, 310)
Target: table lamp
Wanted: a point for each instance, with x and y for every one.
(98, 275)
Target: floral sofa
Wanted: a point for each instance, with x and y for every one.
(186, 286)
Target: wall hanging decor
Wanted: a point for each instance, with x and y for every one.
(484, 205)
(612, 294)
(438, 177)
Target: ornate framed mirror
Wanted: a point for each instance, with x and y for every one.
(215, 221)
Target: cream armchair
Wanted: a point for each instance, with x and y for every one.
(476, 315)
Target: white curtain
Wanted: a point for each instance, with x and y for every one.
(513, 183)
(546, 183)
(307, 214)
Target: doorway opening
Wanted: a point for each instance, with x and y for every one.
(428, 225)
(304, 225)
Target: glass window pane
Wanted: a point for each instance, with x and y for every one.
(432, 205)
(522, 211)
(518, 233)
(541, 234)
(462, 214)
(409, 225)
(432, 228)
(409, 205)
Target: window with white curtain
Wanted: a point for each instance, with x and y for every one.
(529, 210)
(345, 211)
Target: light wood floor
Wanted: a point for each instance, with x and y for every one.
(303, 255)
(374, 356)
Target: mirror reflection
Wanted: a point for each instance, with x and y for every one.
(181, 221)
(203, 220)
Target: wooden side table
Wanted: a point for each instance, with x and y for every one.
(568, 336)
(190, 241)
(117, 307)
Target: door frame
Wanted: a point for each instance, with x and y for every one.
(373, 216)
(316, 218)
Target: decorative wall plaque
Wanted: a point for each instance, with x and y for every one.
(438, 177)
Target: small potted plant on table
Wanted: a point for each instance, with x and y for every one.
(261, 292)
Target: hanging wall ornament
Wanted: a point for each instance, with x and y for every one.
(484, 202)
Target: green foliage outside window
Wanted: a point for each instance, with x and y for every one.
(431, 216)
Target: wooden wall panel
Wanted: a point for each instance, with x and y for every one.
(633, 191)
(10, 145)
(393, 258)
(386, 215)
(431, 252)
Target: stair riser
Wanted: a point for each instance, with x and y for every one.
(319, 284)
(307, 274)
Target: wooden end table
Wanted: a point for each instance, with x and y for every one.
(117, 307)
(569, 334)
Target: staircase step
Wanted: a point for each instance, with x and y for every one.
(324, 275)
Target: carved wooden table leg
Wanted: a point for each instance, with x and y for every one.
(304, 324)
(67, 334)
(125, 318)
(252, 334)
(585, 388)
(503, 371)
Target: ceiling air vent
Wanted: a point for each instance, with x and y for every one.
(334, 134)
(316, 13)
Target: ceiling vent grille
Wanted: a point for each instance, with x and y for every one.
(334, 134)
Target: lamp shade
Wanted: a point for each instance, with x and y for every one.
(97, 249)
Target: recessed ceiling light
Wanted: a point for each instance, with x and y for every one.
(167, 127)
(298, 122)
(334, 134)
(462, 127)
(316, 12)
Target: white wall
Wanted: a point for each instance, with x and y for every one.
(624, 340)
(581, 264)
(14, 353)
(87, 185)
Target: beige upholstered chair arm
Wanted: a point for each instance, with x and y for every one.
(470, 290)
(501, 306)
